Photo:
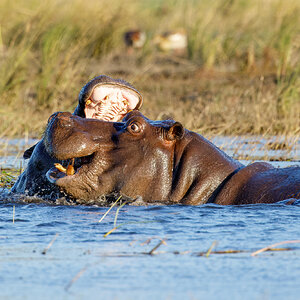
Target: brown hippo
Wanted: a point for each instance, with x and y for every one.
(159, 161)
(102, 98)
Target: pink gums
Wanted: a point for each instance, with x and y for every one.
(110, 103)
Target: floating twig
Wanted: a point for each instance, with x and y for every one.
(162, 241)
(117, 212)
(239, 251)
(50, 244)
(75, 278)
(135, 254)
(272, 246)
(110, 231)
(110, 209)
(221, 252)
(14, 209)
(210, 248)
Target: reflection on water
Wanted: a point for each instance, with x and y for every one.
(60, 252)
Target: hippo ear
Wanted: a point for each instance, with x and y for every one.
(175, 132)
(52, 116)
(27, 154)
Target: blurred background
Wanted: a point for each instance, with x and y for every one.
(227, 67)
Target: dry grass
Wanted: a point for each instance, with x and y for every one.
(241, 74)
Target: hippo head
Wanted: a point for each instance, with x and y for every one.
(108, 99)
(134, 157)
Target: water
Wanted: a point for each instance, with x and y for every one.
(81, 263)
(11, 152)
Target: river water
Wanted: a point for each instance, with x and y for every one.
(60, 252)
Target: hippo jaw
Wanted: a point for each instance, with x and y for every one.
(80, 147)
(84, 180)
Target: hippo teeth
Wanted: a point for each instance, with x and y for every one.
(60, 168)
(108, 110)
(73, 165)
(69, 170)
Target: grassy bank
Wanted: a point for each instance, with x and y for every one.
(241, 73)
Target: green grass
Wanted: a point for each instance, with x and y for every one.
(8, 177)
(49, 49)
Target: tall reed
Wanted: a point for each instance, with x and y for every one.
(49, 49)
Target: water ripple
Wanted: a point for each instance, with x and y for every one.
(51, 224)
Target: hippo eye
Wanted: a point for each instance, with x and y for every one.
(134, 127)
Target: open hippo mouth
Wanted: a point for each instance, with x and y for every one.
(80, 146)
(110, 102)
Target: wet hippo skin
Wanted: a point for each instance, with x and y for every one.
(159, 161)
(102, 98)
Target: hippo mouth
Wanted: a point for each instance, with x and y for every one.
(110, 103)
(69, 167)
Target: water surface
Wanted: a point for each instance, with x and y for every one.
(83, 264)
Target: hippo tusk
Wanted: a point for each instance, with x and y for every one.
(70, 168)
(60, 168)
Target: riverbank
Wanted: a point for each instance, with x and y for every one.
(239, 74)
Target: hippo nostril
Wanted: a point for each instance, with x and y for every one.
(65, 120)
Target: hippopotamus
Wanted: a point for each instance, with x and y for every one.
(156, 161)
(102, 98)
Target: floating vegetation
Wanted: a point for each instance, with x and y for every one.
(110, 209)
(207, 253)
(271, 247)
(161, 242)
(7, 177)
(50, 244)
(14, 210)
